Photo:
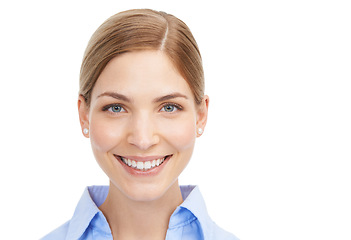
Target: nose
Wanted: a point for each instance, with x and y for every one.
(142, 132)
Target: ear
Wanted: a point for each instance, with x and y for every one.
(202, 115)
(83, 111)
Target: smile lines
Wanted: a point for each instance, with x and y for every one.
(143, 166)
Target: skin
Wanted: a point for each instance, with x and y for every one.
(129, 115)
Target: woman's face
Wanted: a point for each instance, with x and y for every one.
(142, 123)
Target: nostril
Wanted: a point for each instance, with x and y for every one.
(143, 142)
(142, 132)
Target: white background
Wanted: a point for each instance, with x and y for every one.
(274, 161)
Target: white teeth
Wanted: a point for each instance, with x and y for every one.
(147, 165)
(140, 165)
(143, 165)
(134, 164)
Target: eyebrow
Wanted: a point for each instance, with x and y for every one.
(170, 96)
(115, 95)
(156, 100)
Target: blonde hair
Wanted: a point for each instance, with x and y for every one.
(142, 29)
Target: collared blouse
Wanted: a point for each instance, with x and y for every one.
(190, 220)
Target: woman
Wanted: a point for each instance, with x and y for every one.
(142, 105)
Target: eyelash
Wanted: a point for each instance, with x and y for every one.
(177, 106)
(107, 107)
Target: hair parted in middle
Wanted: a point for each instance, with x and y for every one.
(142, 29)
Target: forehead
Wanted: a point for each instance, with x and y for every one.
(141, 72)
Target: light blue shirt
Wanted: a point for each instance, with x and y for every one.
(190, 220)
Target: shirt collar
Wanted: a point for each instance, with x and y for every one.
(195, 205)
(87, 211)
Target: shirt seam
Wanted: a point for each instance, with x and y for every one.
(184, 223)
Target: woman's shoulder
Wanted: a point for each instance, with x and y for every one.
(59, 233)
(194, 202)
(86, 212)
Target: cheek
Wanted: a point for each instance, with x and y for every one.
(182, 134)
(104, 135)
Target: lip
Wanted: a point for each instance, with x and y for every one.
(151, 172)
(143, 159)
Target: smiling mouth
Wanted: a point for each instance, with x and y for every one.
(143, 165)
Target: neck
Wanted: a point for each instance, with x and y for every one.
(130, 219)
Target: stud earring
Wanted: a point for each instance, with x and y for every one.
(85, 131)
(200, 131)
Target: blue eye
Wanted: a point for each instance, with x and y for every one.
(114, 108)
(170, 108)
